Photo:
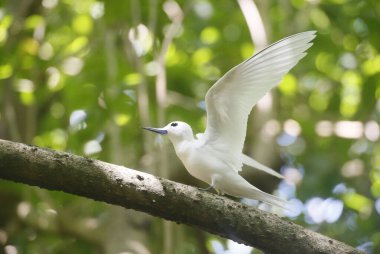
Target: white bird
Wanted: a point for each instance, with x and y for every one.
(215, 156)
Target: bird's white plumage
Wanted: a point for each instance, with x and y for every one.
(255, 164)
(230, 100)
(215, 156)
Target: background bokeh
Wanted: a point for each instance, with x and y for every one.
(84, 76)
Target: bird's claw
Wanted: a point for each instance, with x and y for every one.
(205, 189)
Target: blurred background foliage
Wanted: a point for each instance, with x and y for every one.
(84, 76)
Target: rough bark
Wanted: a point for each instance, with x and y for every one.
(159, 197)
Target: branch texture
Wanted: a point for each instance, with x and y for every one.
(159, 197)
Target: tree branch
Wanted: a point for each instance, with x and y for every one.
(160, 197)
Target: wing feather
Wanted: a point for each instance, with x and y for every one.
(230, 100)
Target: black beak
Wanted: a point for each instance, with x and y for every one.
(156, 130)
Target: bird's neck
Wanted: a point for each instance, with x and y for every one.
(181, 142)
(182, 148)
(178, 141)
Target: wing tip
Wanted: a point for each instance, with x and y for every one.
(310, 34)
(306, 36)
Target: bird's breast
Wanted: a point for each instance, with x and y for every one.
(201, 163)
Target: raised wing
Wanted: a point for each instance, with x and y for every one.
(230, 100)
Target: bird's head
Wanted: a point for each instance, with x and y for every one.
(176, 131)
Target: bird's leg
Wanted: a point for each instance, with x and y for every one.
(212, 185)
(206, 189)
(214, 179)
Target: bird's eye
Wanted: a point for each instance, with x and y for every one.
(174, 124)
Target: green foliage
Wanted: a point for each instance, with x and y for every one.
(81, 76)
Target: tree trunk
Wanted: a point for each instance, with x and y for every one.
(163, 198)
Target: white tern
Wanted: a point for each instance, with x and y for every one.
(215, 156)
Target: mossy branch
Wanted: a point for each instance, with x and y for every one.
(159, 197)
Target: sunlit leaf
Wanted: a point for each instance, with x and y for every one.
(375, 188)
(298, 3)
(358, 202)
(34, 21)
(27, 98)
(5, 23)
(288, 85)
(54, 79)
(77, 44)
(371, 66)
(30, 46)
(350, 42)
(3, 35)
(132, 79)
(350, 96)
(174, 56)
(318, 101)
(202, 56)
(82, 24)
(246, 50)
(122, 119)
(57, 110)
(56, 139)
(324, 61)
(5, 71)
(210, 35)
(319, 18)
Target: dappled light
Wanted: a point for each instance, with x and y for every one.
(320, 210)
(85, 76)
(92, 147)
(348, 129)
(231, 248)
(77, 118)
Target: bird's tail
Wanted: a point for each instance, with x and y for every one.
(255, 164)
(269, 199)
(235, 185)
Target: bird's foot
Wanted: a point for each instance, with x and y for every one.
(205, 189)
